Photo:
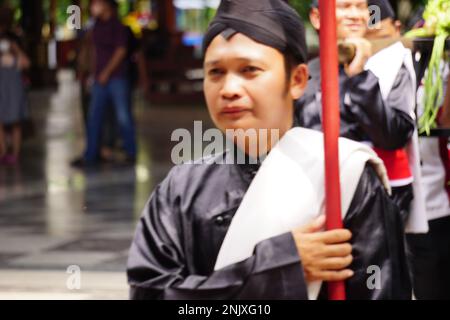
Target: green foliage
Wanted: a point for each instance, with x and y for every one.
(302, 7)
(437, 24)
(61, 11)
(15, 5)
(124, 8)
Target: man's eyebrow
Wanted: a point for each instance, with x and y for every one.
(212, 63)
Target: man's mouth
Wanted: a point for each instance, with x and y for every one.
(354, 26)
(234, 110)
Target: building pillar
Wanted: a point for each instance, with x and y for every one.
(166, 15)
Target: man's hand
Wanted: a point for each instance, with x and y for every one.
(103, 78)
(23, 62)
(324, 254)
(117, 58)
(363, 53)
(6, 60)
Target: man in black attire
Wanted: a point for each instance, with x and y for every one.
(254, 69)
(366, 117)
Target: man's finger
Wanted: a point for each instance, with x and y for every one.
(334, 236)
(334, 275)
(338, 250)
(336, 263)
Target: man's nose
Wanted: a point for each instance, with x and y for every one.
(353, 12)
(232, 87)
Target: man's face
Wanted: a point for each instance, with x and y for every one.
(387, 28)
(245, 85)
(98, 7)
(352, 17)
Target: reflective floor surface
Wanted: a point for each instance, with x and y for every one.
(53, 216)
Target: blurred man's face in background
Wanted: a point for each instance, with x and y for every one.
(387, 28)
(352, 18)
(98, 8)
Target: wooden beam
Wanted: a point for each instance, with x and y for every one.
(166, 15)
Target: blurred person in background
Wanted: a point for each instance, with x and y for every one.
(367, 114)
(86, 76)
(111, 85)
(364, 115)
(430, 252)
(13, 101)
(394, 67)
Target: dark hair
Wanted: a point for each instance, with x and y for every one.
(6, 17)
(112, 3)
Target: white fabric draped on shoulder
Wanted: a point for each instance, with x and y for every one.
(288, 192)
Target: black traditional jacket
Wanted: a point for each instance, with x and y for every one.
(179, 236)
(364, 115)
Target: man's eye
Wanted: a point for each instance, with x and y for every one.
(362, 7)
(215, 72)
(344, 6)
(250, 69)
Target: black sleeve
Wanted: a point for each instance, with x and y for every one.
(386, 126)
(158, 265)
(378, 242)
(402, 95)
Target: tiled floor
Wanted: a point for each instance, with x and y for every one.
(53, 216)
(52, 285)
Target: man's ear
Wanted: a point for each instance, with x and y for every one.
(314, 17)
(299, 81)
(398, 27)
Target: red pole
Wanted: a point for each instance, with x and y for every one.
(331, 125)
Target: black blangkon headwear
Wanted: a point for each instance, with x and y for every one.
(270, 22)
(386, 10)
